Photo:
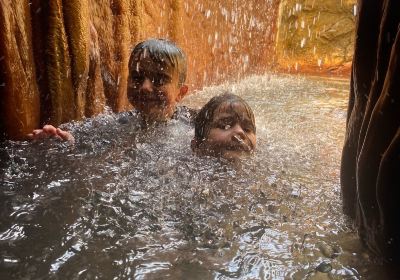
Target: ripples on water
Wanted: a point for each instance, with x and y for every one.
(129, 204)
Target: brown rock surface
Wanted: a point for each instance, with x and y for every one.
(19, 103)
(316, 36)
(370, 175)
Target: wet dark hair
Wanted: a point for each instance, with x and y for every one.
(162, 51)
(206, 115)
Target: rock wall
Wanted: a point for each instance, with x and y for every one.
(63, 60)
(316, 36)
(370, 176)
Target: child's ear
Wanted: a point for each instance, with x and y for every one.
(183, 91)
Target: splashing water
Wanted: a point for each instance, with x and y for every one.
(127, 202)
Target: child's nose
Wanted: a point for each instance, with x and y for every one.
(238, 131)
(147, 85)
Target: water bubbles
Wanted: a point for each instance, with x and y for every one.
(225, 13)
(298, 7)
(141, 200)
(209, 40)
(303, 42)
(246, 59)
(234, 17)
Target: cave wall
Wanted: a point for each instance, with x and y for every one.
(64, 60)
(370, 170)
(316, 36)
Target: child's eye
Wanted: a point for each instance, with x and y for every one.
(224, 126)
(248, 129)
(137, 79)
(158, 82)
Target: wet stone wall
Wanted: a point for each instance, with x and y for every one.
(66, 60)
(316, 36)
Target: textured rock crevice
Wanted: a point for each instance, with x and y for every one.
(370, 161)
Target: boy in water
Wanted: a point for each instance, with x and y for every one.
(225, 127)
(157, 72)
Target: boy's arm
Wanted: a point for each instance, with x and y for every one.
(49, 131)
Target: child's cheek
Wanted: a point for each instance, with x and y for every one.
(219, 136)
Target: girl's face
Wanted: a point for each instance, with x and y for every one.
(231, 132)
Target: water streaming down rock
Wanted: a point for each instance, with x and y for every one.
(140, 205)
(76, 59)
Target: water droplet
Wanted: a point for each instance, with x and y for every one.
(303, 42)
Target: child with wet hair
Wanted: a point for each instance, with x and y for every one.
(225, 127)
(157, 73)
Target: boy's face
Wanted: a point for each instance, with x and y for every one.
(153, 88)
(231, 132)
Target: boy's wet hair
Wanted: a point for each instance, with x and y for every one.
(204, 118)
(162, 51)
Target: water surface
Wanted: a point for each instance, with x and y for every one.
(133, 203)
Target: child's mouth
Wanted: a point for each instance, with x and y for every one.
(146, 97)
(241, 145)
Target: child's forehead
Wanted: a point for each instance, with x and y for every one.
(231, 108)
(147, 64)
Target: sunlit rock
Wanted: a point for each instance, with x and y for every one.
(317, 36)
(19, 105)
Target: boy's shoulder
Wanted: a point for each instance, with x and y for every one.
(184, 113)
(127, 116)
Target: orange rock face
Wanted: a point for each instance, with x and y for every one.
(65, 60)
(19, 92)
(316, 36)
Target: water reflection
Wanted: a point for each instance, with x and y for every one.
(128, 202)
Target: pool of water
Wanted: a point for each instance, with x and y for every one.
(127, 202)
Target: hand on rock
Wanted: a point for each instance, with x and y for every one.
(49, 131)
